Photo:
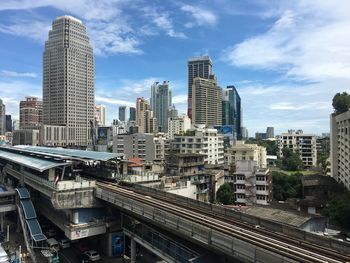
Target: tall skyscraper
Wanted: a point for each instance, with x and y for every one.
(100, 115)
(206, 102)
(145, 121)
(197, 67)
(122, 113)
(231, 110)
(8, 123)
(2, 118)
(270, 132)
(132, 114)
(68, 80)
(30, 113)
(160, 103)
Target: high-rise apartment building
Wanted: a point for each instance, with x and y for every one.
(68, 80)
(8, 123)
(242, 152)
(270, 132)
(299, 142)
(178, 125)
(206, 102)
(123, 113)
(132, 114)
(231, 110)
(160, 103)
(197, 67)
(2, 118)
(145, 121)
(30, 113)
(100, 115)
(202, 141)
(340, 145)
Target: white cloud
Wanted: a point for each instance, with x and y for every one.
(114, 101)
(201, 16)
(307, 42)
(8, 73)
(161, 19)
(180, 99)
(110, 28)
(12, 92)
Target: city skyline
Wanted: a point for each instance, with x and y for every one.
(282, 85)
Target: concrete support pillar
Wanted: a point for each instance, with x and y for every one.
(132, 250)
(76, 217)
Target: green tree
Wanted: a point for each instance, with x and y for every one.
(291, 161)
(225, 194)
(341, 102)
(338, 210)
(323, 163)
(286, 186)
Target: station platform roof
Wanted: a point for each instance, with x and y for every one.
(39, 164)
(81, 154)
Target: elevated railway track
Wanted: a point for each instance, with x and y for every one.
(288, 247)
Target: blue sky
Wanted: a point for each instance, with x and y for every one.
(286, 58)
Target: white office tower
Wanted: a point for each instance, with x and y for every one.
(68, 80)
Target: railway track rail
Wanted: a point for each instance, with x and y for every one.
(263, 231)
(288, 248)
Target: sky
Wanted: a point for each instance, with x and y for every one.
(287, 59)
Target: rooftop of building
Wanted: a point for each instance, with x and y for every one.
(277, 215)
(199, 58)
(70, 18)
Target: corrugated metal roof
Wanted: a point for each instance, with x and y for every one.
(91, 155)
(31, 162)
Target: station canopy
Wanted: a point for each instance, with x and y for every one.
(32, 162)
(87, 155)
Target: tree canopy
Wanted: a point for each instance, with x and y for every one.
(286, 186)
(341, 102)
(225, 194)
(338, 210)
(291, 161)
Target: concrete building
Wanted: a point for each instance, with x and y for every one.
(161, 101)
(183, 163)
(231, 110)
(145, 121)
(178, 125)
(270, 132)
(53, 135)
(340, 145)
(260, 136)
(15, 125)
(8, 123)
(2, 118)
(173, 112)
(252, 185)
(147, 147)
(245, 152)
(123, 112)
(68, 80)
(26, 137)
(203, 141)
(100, 115)
(244, 132)
(206, 102)
(304, 144)
(30, 113)
(197, 67)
